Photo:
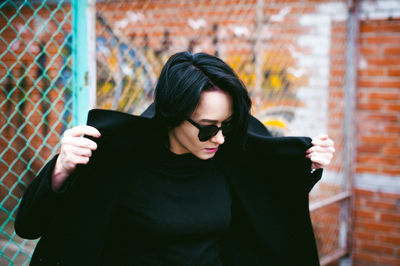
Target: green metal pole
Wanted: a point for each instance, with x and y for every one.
(80, 87)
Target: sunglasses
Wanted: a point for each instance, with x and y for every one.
(209, 131)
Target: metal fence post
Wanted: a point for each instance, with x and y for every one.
(349, 119)
(80, 75)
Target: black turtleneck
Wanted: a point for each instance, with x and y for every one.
(172, 211)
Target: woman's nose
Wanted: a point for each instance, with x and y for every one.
(219, 138)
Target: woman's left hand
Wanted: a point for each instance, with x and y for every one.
(321, 153)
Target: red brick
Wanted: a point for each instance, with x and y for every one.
(338, 30)
(390, 217)
(364, 235)
(371, 72)
(393, 196)
(367, 169)
(384, 96)
(379, 204)
(392, 129)
(367, 83)
(370, 51)
(365, 214)
(384, 62)
(364, 193)
(365, 256)
(371, 128)
(390, 171)
(394, 72)
(395, 261)
(379, 27)
(369, 106)
(336, 93)
(375, 248)
(338, 73)
(391, 51)
(393, 107)
(392, 150)
(376, 226)
(327, 219)
(338, 61)
(383, 117)
(376, 159)
(359, 203)
(381, 40)
(389, 84)
(390, 239)
(337, 83)
(369, 148)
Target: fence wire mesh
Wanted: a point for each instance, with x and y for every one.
(290, 54)
(35, 102)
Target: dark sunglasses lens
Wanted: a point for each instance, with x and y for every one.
(207, 132)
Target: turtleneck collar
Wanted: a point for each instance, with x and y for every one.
(180, 165)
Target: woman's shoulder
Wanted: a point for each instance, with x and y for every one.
(101, 118)
(123, 134)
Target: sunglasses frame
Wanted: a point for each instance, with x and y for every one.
(200, 127)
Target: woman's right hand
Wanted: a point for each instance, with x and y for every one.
(75, 150)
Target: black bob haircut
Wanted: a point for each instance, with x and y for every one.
(185, 76)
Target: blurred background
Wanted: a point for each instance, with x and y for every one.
(311, 66)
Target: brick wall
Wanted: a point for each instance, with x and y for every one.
(376, 235)
(309, 36)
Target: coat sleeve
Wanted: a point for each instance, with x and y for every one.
(284, 154)
(284, 157)
(39, 203)
(41, 206)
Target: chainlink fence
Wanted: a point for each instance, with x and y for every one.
(35, 102)
(290, 54)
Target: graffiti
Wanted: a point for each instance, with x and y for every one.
(127, 72)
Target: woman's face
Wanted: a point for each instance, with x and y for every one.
(215, 107)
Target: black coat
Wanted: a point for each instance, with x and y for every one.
(270, 182)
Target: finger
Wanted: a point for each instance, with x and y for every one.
(80, 151)
(323, 142)
(82, 130)
(79, 142)
(321, 149)
(70, 160)
(321, 136)
(73, 160)
(325, 155)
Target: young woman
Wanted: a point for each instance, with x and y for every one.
(195, 180)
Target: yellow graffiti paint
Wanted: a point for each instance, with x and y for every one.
(274, 123)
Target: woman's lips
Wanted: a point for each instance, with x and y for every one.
(212, 150)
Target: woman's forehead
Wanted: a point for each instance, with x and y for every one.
(215, 105)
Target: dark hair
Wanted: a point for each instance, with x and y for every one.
(185, 76)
